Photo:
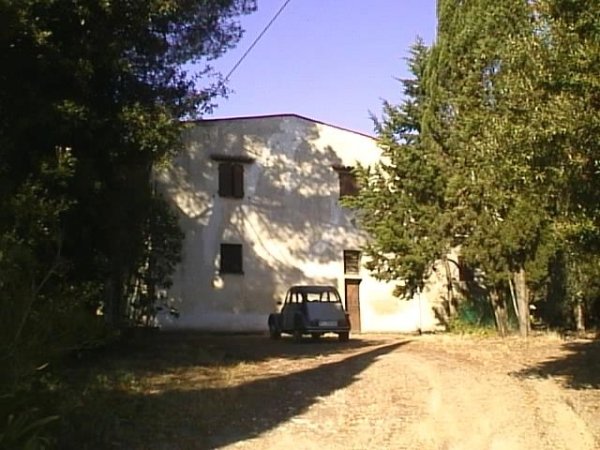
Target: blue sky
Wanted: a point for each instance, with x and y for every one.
(331, 60)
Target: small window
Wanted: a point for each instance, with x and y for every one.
(351, 262)
(231, 258)
(348, 181)
(293, 297)
(231, 179)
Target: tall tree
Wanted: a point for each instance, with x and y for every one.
(565, 125)
(494, 151)
(492, 192)
(514, 107)
(92, 93)
(401, 198)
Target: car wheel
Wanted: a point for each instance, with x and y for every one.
(274, 331)
(297, 334)
(343, 337)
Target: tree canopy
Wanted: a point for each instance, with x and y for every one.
(92, 97)
(494, 154)
(401, 199)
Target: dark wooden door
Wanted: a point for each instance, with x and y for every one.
(353, 302)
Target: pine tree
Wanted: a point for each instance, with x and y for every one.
(514, 107)
(401, 199)
(490, 196)
(563, 90)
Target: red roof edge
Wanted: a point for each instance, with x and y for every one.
(268, 116)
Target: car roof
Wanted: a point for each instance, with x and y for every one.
(313, 288)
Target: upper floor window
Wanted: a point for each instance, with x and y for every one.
(231, 180)
(231, 175)
(348, 181)
(351, 262)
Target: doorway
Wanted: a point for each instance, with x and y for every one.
(352, 294)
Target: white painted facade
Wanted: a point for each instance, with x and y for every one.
(290, 224)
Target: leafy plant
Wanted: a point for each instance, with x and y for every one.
(25, 429)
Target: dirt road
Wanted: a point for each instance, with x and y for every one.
(191, 391)
(430, 393)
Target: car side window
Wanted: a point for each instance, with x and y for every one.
(288, 297)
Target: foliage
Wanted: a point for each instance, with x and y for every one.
(495, 151)
(92, 94)
(157, 262)
(400, 201)
(25, 431)
(560, 126)
(490, 197)
(515, 186)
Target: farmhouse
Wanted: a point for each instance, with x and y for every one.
(259, 202)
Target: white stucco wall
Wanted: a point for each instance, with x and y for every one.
(290, 223)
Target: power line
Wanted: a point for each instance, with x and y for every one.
(258, 38)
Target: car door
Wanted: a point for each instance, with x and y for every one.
(290, 307)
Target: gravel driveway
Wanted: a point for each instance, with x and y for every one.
(375, 392)
(432, 393)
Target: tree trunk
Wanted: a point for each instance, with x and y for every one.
(579, 316)
(513, 298)
(451, 304)
(522, 295)
(113, 301)
(500, 312)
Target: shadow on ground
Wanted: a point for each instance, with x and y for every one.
(197, 416)
(163, 351)
(579, 368)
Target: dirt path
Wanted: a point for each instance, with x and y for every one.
(191, 391)
(414, 396)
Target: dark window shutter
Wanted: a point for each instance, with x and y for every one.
(231, 258)
(225, 180)
(348, 183)
(231, 179)
(237, 180)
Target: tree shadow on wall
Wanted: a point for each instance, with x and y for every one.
(289, 219)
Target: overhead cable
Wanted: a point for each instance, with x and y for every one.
(258, 38)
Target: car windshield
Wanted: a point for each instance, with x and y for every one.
(322, 296)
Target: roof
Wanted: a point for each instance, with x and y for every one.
(270, 116)
(313, 288)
